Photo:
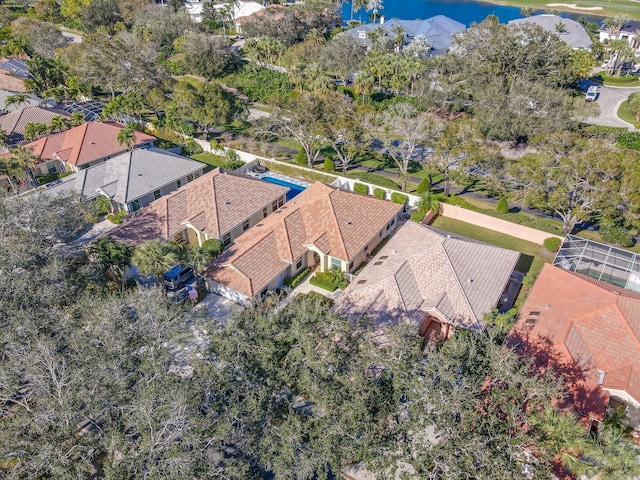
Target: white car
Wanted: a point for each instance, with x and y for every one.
(592, 94)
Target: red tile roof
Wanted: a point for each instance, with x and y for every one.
(85, 143)
(588, 334)
(336, 222)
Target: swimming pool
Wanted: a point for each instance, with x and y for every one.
(294, 188)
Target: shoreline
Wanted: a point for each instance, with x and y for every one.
(607, 10)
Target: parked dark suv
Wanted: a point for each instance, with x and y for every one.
(178, 277)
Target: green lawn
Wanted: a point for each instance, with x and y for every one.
(532, 256)
(608, 8)
(210, 159)
(625, 114)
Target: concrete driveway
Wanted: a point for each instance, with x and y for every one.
(609, 100)
(218, 307)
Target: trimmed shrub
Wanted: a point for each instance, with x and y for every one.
(502, 206)
(424, 186)
(103, 204)
(117, 217)
(293, 282)
(418, 215)
(191, 147)
(552, 244)
(361, 188)
(50, 177)
(399, 198)
(232, 164)
(329, 164)
(616, 235)
(630, 140)
(379, 193)
(331, 287)
(301, 157)
(213, 247)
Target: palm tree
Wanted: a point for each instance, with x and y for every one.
(24, 159)
(363, 85)
(155, 257)
(613, 457)
(552, 11)
(561, 437)
(357, 5)
(127, 137)
(57, 124)
(113, 257)
(560, 28)
(428, 203)
(527, 11)
(399, 38)
(15, 99)
(374, 6)
(9, 168)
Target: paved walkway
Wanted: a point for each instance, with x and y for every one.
(96, 230)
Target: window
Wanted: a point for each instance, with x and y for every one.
(350, 265)
(133, 206)
(245, 225)
(336, 263)
(226, 239)
(178, 183)
(264, 212)
(156, 194)
(190, 177)
(299, 264)
(51, 167)
(274, 205)
(366, 248)
(198, 173)
(280, 202)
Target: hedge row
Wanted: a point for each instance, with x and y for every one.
(293, 282)
(331, 287)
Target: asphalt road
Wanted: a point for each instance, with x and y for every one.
(609, 100)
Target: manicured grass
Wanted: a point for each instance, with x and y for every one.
(299, 172)
(532, 256)
(210, 159)
(608, 8)
(625, 114)
(374, 178)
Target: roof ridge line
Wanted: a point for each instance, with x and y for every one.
(81, 143)
(457, 279)
(335, 217)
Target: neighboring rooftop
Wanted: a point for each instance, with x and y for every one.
(84, 144)
(129, 176)
(603, 262)
(420, 271)
(630, 27)
(438, 30)
(13, 123)
(336, 222)
(214, 203)
(588, 334)
(15, 66)
(569, 31)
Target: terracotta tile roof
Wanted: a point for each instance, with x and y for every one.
(13, 123)
(420, 271)
(84, 144)
(589, 334)
(337, 222)
(214, 203)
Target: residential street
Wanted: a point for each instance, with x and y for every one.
(609, 100)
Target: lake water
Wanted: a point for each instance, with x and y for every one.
(464, 11)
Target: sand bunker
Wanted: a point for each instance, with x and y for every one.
(572, 6)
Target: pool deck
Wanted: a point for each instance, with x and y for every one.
(279, 176)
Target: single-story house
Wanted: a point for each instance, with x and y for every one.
(628, 32)
(133, 179)
(432, 281)
(322, 227)
(81, 147)
(13, 123)
(569, 31)
(587, 331)
(219, 204)
(250, 10)
(240, 9)
(437, 30)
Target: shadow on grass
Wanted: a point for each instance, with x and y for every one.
(524, 263)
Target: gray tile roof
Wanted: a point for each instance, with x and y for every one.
(13, 123)
(575, 35)
(438, 30)
(420, 271)
(131, 175)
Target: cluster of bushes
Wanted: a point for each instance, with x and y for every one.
(259, 84)
(191, 147)
(50, 177)
(630, 140)
(293, 282)
(621, 79)
(330, 280)
(502, 206)
(329, 164)
(117, 217)
(616, 235)
(379, 193)
(551, 244)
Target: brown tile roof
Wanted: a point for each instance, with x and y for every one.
(574, 326)
(13, 123)
(84, 144)
(420, 271)
(214, 203)
(337, 222)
